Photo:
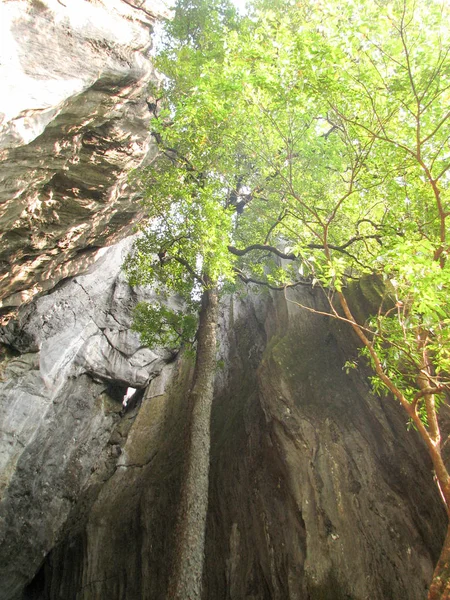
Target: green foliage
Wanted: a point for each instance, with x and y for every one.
(320, 129)
(419, 323)
(342, 112)
(161, 326)
(186, 236)
(183, 245)
(350, 365)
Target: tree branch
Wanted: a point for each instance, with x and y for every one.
(264, 247)
(292, 256)
(276, 288)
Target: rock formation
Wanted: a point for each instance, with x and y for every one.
(317, 489)
(73, 123)
(70, 361)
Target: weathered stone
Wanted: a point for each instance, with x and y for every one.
(317, 489)
(59, 402)
(73, 123)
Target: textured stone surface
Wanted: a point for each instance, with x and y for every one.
(317, 490)
(70, 358)
(73, 123)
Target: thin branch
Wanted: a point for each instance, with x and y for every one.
(374, 134)
(437, 153)
(188, 267)
(444, 170)
(274, 225)
(276, 288)
(438, 93)
(440, 62)
(265, 247)
(436, 129)
(333, 315)
(430, 390)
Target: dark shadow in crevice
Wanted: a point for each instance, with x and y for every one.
(35, 590)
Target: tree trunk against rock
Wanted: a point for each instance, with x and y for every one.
(186, 577)
(440, 585)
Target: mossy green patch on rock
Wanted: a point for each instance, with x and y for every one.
(367, 295)
(5, 356)
(286, 352)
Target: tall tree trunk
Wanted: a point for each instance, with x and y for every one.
(186, 577)
(440, 585)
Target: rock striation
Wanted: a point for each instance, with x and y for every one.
(73, 123)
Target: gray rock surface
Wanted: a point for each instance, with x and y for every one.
(317, 489)
(73, 123)
(71, 357)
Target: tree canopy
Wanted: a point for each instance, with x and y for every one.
(319, 133)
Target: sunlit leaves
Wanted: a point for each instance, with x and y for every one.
(184, 237)
(321, 129)
(161, 326)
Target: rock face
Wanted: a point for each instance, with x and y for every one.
(73, 123)
(71, 358)
(317, 490)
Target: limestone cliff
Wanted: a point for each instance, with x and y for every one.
(73, 123)
(71, 358)
(317, 489)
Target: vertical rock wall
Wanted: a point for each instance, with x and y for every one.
(67, 363)
(317, 489)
